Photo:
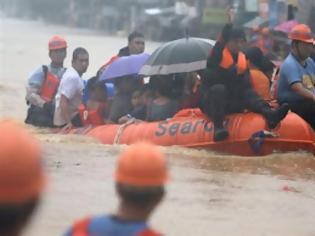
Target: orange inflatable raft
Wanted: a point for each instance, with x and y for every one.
(190, 128)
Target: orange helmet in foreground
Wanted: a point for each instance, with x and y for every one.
(21, 173)
(142, 165)
(57, 42)
(301, 33)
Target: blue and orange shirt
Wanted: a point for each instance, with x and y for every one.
(110, 226)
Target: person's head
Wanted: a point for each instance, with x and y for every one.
(97, 89)
(268, 67)
(21, 177)
(136, 98)
(235, 39)
(164, 86)
(136, 43)
(57, 47)
(126, 84)
(141, 174)
(142, 96)
(265, 32)
(80, 60)
(302, 41)
(147, 94)
(254, 57)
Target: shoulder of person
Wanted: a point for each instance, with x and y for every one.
(79, 226)
(41, 69)
(288, 64)
(311, 63)
(71, 75)
(36, 76)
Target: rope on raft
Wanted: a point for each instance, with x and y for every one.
(121, 130)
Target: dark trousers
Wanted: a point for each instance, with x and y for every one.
(76, 121)
(41, 117)
(305, 109)
(218, 101)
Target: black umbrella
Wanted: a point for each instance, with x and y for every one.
(179, 56)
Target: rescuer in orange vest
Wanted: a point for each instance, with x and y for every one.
(43, 85)
(140, 176)
(226, 87)
(22, 178)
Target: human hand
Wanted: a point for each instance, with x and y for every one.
(123, 120)
(67, 127)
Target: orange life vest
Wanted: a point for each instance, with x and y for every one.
(92, 117)
(260, 83)
(49, 87)
(81, 228)
(227, 61)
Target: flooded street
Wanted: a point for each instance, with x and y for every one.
(209, 194)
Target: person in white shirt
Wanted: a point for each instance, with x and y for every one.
(70, 92)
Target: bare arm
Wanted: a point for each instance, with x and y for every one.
(300, 90)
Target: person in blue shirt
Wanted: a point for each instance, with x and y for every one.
(297, 75)
(43, 84)
(140, 176)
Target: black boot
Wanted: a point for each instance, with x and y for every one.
(275, 116)
(220, 133)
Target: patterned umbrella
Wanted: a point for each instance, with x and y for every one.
(179, 56)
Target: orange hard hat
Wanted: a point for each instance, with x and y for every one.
(142, 165)
(21, 174)
(302, 33)
(57, 42)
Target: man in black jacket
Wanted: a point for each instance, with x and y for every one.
(226, 88)
(136, 45)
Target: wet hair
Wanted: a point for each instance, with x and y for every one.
(93, 83)
(231, 32)
(134, 35)
(77, 52)
(164, 86)
(237, 33)
(255, 56)
(146, 88)
(117, 82)
(12, 216)
(140, 197)
(267, 65)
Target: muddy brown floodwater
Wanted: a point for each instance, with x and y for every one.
(209, 193)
